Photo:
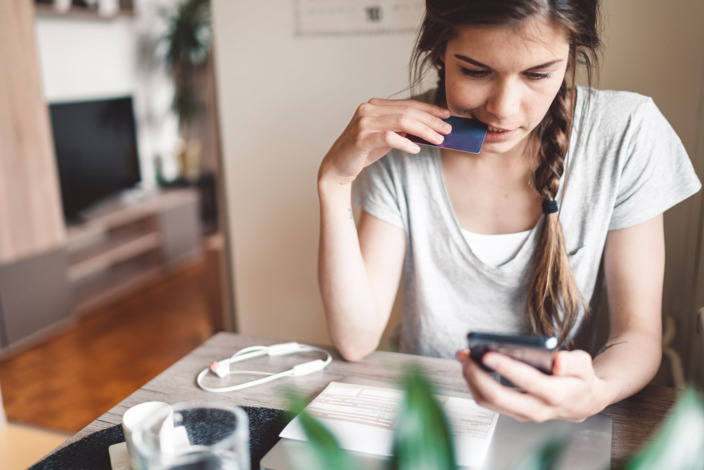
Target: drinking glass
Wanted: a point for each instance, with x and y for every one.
(193, 435)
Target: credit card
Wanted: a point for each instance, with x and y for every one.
(467, 135)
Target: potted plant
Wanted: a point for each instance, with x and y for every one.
(188, 40)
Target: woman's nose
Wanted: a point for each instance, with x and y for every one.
(504, 99)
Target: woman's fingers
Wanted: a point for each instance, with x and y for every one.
(420, 119)
(389, 139)
(564, 395)
(489, 393)
(525, 377)
(401, 125)
(437, 111)
(573, 363)
(377, 127)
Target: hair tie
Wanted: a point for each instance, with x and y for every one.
(549, 206)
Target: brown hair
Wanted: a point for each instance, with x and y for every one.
(553, 295)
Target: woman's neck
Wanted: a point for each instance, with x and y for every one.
(492, 193)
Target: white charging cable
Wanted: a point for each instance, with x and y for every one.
(222, 368)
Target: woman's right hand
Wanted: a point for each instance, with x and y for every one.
(377, 127)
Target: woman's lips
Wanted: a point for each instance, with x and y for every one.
(497, 134)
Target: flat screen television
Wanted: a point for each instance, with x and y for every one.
(96, 151)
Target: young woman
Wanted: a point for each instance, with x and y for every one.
(509, 240)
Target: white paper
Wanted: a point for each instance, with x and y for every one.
(363, 418)
(472, 428)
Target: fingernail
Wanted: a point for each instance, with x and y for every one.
(489, 361)
(460, 356)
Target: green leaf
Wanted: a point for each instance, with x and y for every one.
(188, 39)
(189, 33)
(422, 439)
(679, 444)
(326, 451)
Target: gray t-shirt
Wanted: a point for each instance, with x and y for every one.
(626, 166)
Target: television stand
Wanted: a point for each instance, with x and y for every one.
(127, 242)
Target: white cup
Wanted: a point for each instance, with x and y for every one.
(108, 7)
(135, 415)
(62, 5)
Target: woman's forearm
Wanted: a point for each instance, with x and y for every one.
(634, 266)
(627, 363)
(354, 322)
(357, 292)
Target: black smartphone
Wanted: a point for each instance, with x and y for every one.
(538, 351)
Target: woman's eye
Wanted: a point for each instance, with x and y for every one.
(474, 73)
(537, 75)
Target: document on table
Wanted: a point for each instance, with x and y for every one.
(363, 418)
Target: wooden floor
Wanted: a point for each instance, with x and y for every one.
(68, 381)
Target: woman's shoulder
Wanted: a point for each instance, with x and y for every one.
(403, 168)
(614, 101)
(613, 111)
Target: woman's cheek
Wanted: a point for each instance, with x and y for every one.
(462, 99)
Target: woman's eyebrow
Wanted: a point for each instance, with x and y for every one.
(479, 64)
(471, 61)
(545, 65)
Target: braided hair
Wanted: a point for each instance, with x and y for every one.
(552, 286)
(554, 298)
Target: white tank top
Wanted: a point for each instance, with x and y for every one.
(495, 250)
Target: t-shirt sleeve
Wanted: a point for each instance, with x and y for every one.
(656, 172)
(377, 189)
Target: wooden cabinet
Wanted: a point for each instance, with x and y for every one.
(35, 298)
(122, 245)
(34, 294)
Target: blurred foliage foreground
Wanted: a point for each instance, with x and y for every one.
(422, 437)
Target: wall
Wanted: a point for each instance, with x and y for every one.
(91, 58)
(657, 48)
(283, 99)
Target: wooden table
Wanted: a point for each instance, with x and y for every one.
(634, 419)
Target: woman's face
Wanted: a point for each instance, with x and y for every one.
(506, 77)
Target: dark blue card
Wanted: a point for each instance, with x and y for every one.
(467, 135)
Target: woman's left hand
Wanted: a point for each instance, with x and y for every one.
(572, 393)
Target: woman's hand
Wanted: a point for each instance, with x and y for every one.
(359, 272)
(634, 263)
(377, 127)
(572, 393)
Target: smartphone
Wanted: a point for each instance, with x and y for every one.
(538, 351)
